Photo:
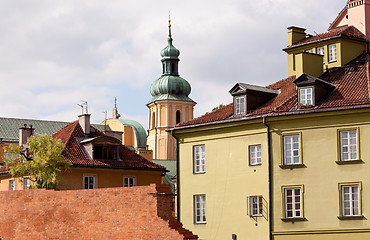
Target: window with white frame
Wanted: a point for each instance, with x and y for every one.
(89, 182)
(200, 208)
(350, 200)
(309, 50)
(26, 183)
(12, 184)
(255, 206)
(293, 202)
(129, 181)
(255, 155)
(239, 105)
(199, 159)
(321, 51)
(348, 145)
(291, 150)
(305, 96)
(332, 52)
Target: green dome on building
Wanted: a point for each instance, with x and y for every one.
(170, 86)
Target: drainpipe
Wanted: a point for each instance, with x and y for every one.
(269, 175)
(177, 176)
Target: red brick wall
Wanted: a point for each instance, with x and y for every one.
(142, 212)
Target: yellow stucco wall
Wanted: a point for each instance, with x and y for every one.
(321, 175)
(227, 182)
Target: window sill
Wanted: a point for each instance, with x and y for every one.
(349, 162)
(255, 165)
(198, 173)
(292, 166)
(302, 219)
(201, 223)
(351, 217)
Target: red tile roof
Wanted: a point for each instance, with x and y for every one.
(342, 31)
(74, 152)
(352, 90)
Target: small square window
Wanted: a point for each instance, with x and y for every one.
(240, 105)
(255, 206)
(350, 200)
(12, 184)
(199, 209)
(129, 181)
(348, 145)
(292, 150)
(255, 157)
(321, 51)
(26, 183)
(199, 159)
(305, 96)
(293, 202)
(89, 182)
(332, 52)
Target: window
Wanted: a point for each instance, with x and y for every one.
(199, 209)
(12, 184)
(309, 50)
(291, 150)
(255, 206)
(348, 145)
(293, 202)
(178, 116)
(129, 181)
(105, 152)
(255, 155)
(305, 96)
(89, 182)
(350, 199)
(332, 52)
(239, 105)
(321, 51)
(26, 183)
(199, 159)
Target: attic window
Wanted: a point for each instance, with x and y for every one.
(105, 152)
(239, 105)
(305, 96)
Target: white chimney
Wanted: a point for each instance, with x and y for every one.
(24, 134)
(84, 121)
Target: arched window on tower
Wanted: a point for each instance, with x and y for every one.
(173, 68)
(178, 116)
(153, 120)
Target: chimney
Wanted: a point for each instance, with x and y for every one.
(295, 34)
(84, 121)
(24, 134)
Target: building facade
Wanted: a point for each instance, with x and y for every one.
(287, 161)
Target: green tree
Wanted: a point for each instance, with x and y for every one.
(43, 161)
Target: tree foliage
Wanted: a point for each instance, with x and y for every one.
(43, 161)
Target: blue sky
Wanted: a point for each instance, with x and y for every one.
(53, 54)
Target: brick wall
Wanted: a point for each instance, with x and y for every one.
(142, 212)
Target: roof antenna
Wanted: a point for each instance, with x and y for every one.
(105, 120)
(83, 105)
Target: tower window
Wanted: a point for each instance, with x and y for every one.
(178, 116)
(153, 120)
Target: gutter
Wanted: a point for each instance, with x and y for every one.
(269, 176)
(177, 193)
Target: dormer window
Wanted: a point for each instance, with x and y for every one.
(239, 105)
(305, 96)
(105, 152)
(248, 97)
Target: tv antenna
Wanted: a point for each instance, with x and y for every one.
(83, 106)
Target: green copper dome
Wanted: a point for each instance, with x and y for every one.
(170, 86)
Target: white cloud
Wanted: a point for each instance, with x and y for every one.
(56, 53)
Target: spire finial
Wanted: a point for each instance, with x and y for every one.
(115, 102)
(169, 24)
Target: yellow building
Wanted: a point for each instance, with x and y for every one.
(169, 105)
(288, 161)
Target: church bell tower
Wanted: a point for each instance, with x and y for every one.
(169, 105)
